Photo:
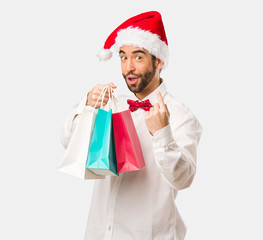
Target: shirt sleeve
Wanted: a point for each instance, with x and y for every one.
(71, 122)
(175, 150)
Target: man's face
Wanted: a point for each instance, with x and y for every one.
(138, 67)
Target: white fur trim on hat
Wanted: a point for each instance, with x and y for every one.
(143, 39)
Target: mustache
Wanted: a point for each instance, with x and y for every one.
(131, 73)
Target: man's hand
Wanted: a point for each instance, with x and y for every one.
(158, 116)
(94, 94)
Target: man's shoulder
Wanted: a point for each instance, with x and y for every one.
(178, 109)
(175, 104)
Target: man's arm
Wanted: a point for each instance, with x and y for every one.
(175, 146)
(175, 151)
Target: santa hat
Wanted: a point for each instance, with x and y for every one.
(145, 30)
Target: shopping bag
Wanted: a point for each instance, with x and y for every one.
(128, 148)
(102, 157)
(75, 157)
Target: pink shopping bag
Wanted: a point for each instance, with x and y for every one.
(127, 145)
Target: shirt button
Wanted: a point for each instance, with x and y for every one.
(109, 228)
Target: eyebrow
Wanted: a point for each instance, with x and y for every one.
(134, 52)
(138, 51)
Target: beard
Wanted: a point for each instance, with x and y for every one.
(145, 79)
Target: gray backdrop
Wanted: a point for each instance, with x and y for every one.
(48, 63)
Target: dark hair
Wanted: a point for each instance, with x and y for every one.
(153, 62)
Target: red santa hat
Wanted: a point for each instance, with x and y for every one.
(145, 30)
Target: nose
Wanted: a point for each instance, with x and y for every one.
(130, 66)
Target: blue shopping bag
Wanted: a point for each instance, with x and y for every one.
(101, 158)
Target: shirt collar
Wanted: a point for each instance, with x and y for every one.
(152, 96)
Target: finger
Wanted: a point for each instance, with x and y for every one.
(111, 84)
(156, 106)
(98, 98)
(146, 115)
(101, 89)
(167, 110)
(104, 103)
(98, 93)
(151, 110)
(106, 95)
(160, 100)
(98, 90)
(98, 87)
(105, 100)
(100, 103)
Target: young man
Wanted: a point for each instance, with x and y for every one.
(140, 205)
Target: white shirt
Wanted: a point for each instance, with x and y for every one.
(140, 205)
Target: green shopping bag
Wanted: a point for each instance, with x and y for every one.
(102, 157)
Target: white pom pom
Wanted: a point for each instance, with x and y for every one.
(104, 54)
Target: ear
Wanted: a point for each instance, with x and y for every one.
(159, 64)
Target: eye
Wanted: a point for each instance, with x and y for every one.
(123, 58)
(138, 58)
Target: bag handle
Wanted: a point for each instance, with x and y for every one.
(107, 88)
(102, 94)
(113, 102)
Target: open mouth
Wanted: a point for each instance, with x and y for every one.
(132, 79)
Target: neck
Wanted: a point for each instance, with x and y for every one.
(154, 84)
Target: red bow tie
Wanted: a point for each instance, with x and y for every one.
(134, 105)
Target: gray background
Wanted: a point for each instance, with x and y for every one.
(48, 63)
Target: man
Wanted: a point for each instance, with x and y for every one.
(139, 205)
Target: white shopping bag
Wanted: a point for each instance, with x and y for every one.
(75, 157)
